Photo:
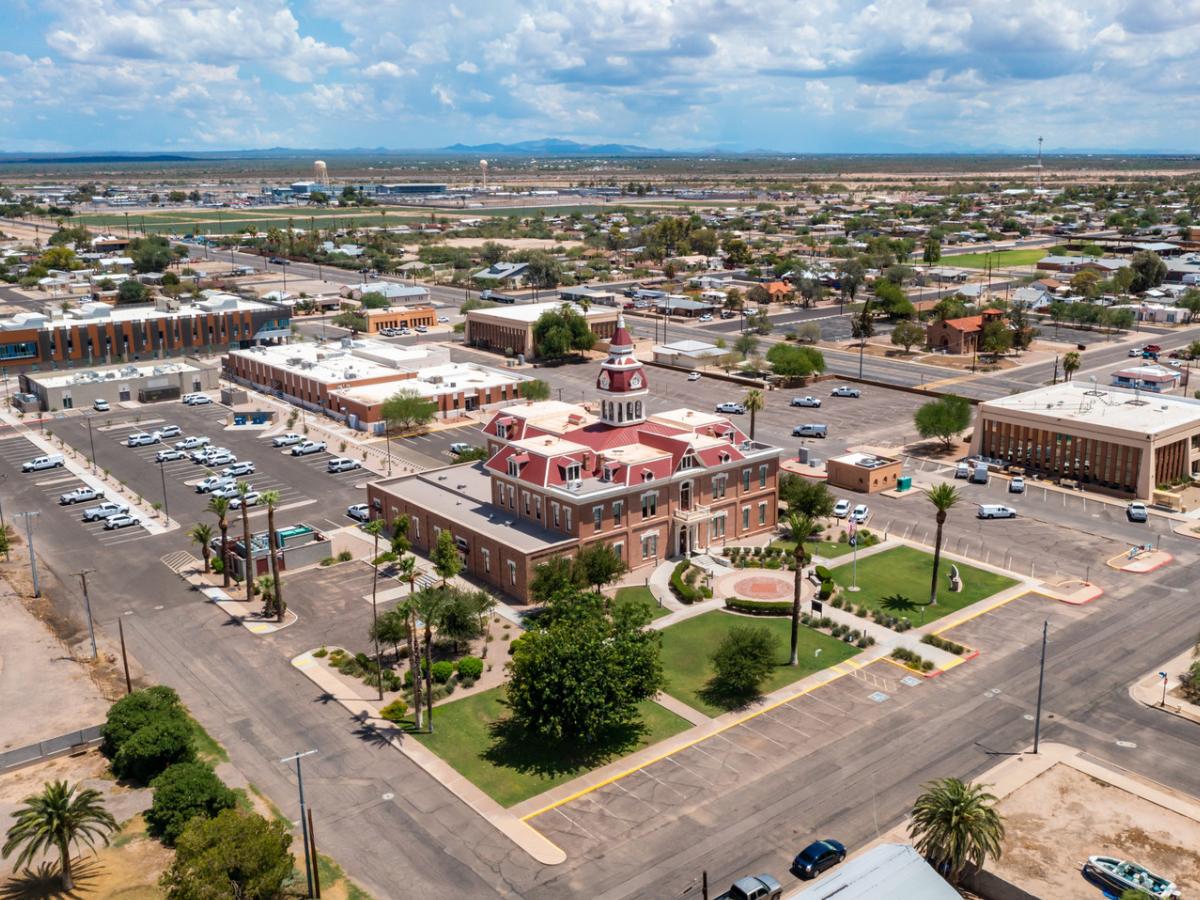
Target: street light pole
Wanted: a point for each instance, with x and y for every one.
(1037, 722)
(87, 607)
(92, 443)
(163, 476)
(32, 556)
(309, 863)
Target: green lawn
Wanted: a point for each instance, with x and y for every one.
(906, 571)
(687, 646)
(510, 768)
(640, 596)
(999, 258)
(825, 549)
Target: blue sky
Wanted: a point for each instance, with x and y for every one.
(790, 75)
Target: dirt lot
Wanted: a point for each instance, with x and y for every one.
(1059, 819)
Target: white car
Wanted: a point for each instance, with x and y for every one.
(735, 408)
(169, 455)
(241, 468)
(167, 431)
(80, 495)
(841, 509)
(191, 443)
(459, 447)
(214, 483)
(100, 405)
(199, 400)
(251, 499)
(421, 329)
(705, 318)
(229, 491)
(861, 513)
(443, 319)
(308, 447)
(359, 511)
(141, 439)
(342, 464)
(220, 459)
(995, 511)
(962, 470)
(693, 376)
(286, 440)
(103, 511)
(1016, 485)
(121, 520)
(806, 401)
(844, 391)
(1135, 351)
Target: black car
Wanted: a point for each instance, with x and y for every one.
(817, 857)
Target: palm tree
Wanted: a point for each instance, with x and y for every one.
(219, 507)
(802, 527)
(1071, 364)
(428, 606)
(271, 499)
(54, 820)
(374, 528)
(942, 496)
(243, 488)
(202, 534)
(955, 824)
(754, 402)
(414, 668)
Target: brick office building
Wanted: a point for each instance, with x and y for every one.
(504, 328)
(560, 477)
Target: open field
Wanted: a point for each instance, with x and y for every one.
(999, 258)
(512, 768)
(905, 571)
(687, 646)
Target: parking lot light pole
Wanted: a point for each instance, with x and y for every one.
(1037, 722)
(309, 863)
(163, 476)
(87, 608)
(32, 556)
(91, 442)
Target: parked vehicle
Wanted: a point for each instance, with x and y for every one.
(980, 474)
(286, 440)
(422, 329)
(704, 318)
(308, 447)
(213, 483)
(844, 391)
(238, 468)
(732, 408)
(811, 430)
(727, 314)
(995, 511)
(166, 431)
(809, 401)
(841, 509)
(200, 400)
(1122, 877)
(100, 405)
(80, 495)
(442, 320)
(220, 459)
(121, 520)
(861, 513)
(359, 511)
(38, 463)
(1017, 485)
(228, 491)
(251, 499)
(342, 464)
(1137, 512)
(169, 454)
(103, 511)
(962, 470)
(753, 887)
(459, 447)
(818, 857)
(141, 439)
(693, 376)
(191, 443)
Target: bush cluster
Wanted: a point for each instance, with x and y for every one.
(182, 792)
(759, 607)
(862, 538)
(1189, 683)
(684, 578)
(942, 644)
(914, 661)
(760, 557)
(145, 732)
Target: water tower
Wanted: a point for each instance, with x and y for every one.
(321, 173)
(483, 168)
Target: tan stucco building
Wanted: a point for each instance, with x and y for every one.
(1108, 439)
(863, 472)
(504, 328)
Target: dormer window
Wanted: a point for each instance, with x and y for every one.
(513, 468)
(571, 471)
(688, 461)
(502, 432)
(647, 475)
(724, 457)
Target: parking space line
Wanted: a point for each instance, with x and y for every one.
(576, 825)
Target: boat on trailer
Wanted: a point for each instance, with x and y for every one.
(1122, 875)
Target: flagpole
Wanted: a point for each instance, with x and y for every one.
(854, 551)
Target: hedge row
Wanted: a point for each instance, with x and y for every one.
(759, 607)
(942, 644)
(682, 586)
(913, 660)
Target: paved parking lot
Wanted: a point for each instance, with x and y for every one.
(53, 483)
(675, 785)
(1017, 624)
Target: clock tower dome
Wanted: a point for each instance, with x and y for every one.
(622, 382)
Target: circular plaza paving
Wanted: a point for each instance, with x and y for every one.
(755, 584)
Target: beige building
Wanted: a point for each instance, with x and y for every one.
(504, 328)
(1124, 442)
(863, 472)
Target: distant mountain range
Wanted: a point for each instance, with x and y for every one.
(559, 147)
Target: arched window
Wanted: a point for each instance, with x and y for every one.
(620, 413)
(638, 407)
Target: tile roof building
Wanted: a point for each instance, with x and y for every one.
(560, 476)
(959, 335)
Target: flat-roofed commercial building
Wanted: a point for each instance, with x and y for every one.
(1104, 438)
(99, 334)
(505, 328)
(145, 382)
(350, 379)
(863, 472)
(398, 317)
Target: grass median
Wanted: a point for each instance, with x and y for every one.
(471, 736)
(688, 646)
(905, 572)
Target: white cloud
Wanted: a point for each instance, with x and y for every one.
(467, 67)
(385, 69)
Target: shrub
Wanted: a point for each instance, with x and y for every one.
(742, 661)
(826, 590)
(470, 667)
(686, 591)
(320, 653)
(913, 660)
(395, 711)
(328, 561)
(154, 747)
(760, 607)
(442, 670)
(838, 602)
(942, 644)
(135, 711)
(345, 556)
(1189, 683)
(823, 574)
(181, 792)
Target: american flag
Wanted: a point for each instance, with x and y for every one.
(853, 529)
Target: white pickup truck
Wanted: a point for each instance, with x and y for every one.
(80, 495)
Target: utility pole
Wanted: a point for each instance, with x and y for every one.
(163, 476)
(92, 443)
(1037, 722)
(32, 556)
(87, 608)
(309, 863)
(124, 657)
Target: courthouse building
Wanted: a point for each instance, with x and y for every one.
(560, 476)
